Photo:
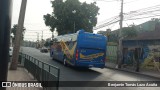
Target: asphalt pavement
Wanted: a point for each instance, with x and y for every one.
(93, 74)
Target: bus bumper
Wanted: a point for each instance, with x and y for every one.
(90, 65)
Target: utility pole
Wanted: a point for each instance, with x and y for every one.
(42, 38)
(52, 34)
(42, 35)
(120, 54)
(37, 39)
(5, 27)
(18, 36)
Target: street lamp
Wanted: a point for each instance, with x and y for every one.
(74, 11)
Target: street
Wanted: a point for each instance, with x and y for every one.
(93, 74)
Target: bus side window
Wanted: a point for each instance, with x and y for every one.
(71, 45)
(67, 43)
(59, 47)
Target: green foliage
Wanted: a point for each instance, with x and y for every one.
(64, 20)
(126, 32)
(129, 31)
(156, 20)
(13, 31)
(47, 44)
(113, 36)
(148, 26)
(133, 30)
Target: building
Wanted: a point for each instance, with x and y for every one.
(142, 48)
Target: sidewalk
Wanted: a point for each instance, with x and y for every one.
(149, 73)
(20, 75)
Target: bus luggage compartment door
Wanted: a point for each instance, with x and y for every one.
(91, 55)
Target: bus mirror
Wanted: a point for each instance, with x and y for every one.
(70, 39)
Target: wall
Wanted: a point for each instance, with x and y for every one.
(111, 53)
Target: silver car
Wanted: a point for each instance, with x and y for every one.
(10, 51)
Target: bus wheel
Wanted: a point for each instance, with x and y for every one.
(64, 61)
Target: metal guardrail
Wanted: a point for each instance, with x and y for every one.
(41, 71)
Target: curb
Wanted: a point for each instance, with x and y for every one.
(19, 65)
(152, 76)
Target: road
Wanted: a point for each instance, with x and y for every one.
(93, 74)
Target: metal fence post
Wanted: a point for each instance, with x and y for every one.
(40, 73)
(42, 70)
(35, 68)
(49, 72)
(58, 79)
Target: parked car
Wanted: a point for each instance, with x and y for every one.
(10, 51)
(44, 50)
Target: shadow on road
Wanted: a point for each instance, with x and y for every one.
(79, 69)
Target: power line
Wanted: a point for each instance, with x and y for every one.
(141, 17)
(144, 9)
(106, 0)
(104, 25)
(36, 30)
(148, 11)
(109, 19)
(141, 12)
(35, 33)
(130, 1)
(112, 26)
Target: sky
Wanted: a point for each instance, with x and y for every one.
(35, 10)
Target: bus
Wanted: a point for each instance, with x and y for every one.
(81, 49)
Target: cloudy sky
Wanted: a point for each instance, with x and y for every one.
(108, 8)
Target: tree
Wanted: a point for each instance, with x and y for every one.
(113, 37)
(65, 21)
(129, 31)
(156, 20)
(13, 31)
(47, 44)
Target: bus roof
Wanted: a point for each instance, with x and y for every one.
(70, 37)
(67, 37)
